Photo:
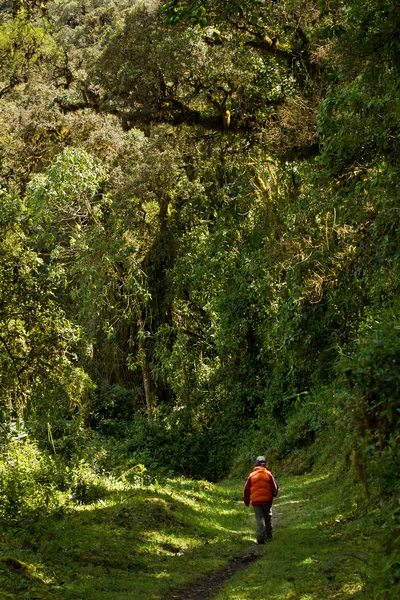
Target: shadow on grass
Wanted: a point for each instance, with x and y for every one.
(143, 545)
(152, 542)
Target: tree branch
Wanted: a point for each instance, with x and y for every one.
(13, 82)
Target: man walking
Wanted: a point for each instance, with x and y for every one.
(262, 488)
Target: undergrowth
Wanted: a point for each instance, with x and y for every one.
(139, 540)
(139, 535)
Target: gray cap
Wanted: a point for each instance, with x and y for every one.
(261, 460)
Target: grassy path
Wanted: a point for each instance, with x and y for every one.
(152, 542)
(322, 549)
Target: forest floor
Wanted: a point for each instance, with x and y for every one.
(183, 539)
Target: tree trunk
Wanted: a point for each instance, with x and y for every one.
(148, 394)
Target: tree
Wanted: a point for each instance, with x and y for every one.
(36, 339)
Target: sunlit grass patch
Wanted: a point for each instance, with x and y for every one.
(149, 541)
(314, 554)
(137, 542)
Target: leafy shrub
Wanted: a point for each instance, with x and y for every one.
(85, 485)
(111, 406)
(164, 448)
(373, 375)
(73, 442)
(373, 378)
(27, 480)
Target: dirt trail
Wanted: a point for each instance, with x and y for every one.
(207, 587)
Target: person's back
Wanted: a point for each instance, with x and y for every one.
(261, 488)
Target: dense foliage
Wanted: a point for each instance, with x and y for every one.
(199, 231)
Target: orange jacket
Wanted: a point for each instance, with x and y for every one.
(261, 486)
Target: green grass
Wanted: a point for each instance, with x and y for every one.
(324, 547)
(146, 542)
(138, 543)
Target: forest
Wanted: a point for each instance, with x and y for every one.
(199, 263)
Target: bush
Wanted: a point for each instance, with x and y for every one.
(111, 406)
(373, 376)
(166, 449)
(372, 372)
(28, 480)
(85, 485)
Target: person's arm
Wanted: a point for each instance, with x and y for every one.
(246, 491)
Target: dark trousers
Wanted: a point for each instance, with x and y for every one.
(263, 514)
